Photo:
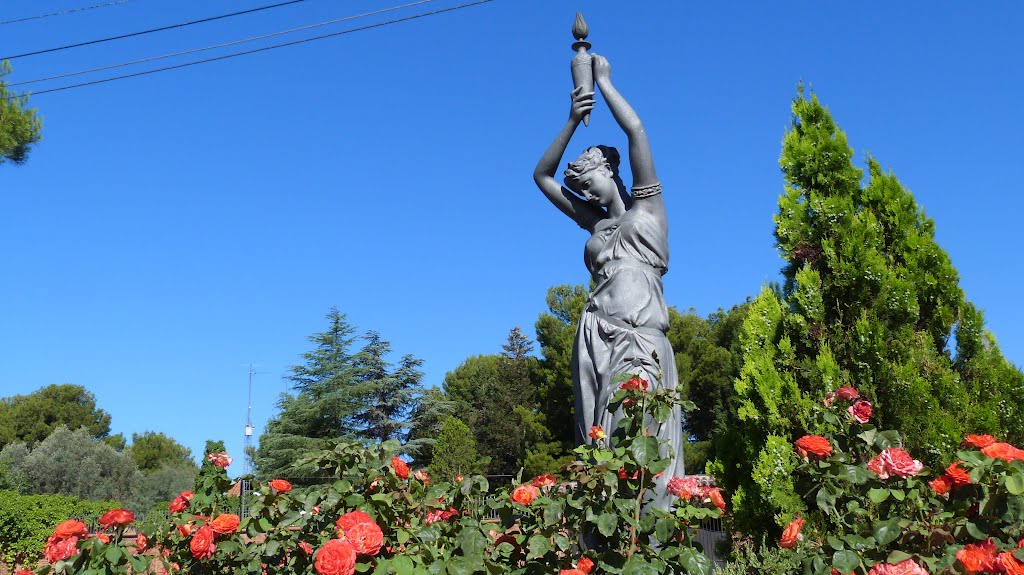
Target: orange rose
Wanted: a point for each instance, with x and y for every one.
(715, 494)
(280, 486)
(978, 441)
(116, 518)
(958, 474)
(400, 467)
(185, 529)
(70, 528)
(103, 537)
(141, 542)
(597, 432)
(458, 479)
(202, 545)
(422, 477)
(60, 549)
(1009, 564)
(180, 502)
(571, 572)
(941, 485)
(351, 519)
(225, 523)
(23, 572)
(978, 557)
(525, 494)
(791, 534)
(336, 557)
(366, 538)
(545, 480)
(1003, 451)
(585, 564)
(815, 445)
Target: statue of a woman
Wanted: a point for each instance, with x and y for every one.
(624, 323)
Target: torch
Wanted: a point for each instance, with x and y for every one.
(582, 72)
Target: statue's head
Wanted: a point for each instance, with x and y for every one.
(595, 175)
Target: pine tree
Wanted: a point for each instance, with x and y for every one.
(870, 301)
(19, 125)
(455, 452)
(508, 405)
(387, 394)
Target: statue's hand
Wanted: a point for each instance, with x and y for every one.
(602, 68)
(582, 103)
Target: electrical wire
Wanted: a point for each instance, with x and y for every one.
(225, 44)
(63, 12)
(151, 30)
(263, 49)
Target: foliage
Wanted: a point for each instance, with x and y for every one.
(163, 484)
(868, 503)
(27, 520)
(76, 464)
(31, 418)
(869, 300)
(508, 405)
(431, 527)
(431, 411)
(455, 452)
(19, 125)
(153, 450)
(339, 394)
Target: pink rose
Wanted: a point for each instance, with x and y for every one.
(860, 411)
(894, 461)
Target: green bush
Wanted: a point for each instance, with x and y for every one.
(27, 520)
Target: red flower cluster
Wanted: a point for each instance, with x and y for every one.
(525, 494)
(361, 532)
(894, 461)
(64, 542)
(684, 488)
(220, 459)
(336, 557)
(1003, 451)
(544, 480)
(279, 486)
(978, 557)
(978, 441)
(116, 519)
(815, 445)
(636, 382)
(440, 515)
(400, 467)
(791, 534)
(180, 502)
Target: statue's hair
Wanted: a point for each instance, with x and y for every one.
(591, 159)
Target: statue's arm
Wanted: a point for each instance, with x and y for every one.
(641, 163)
(544, 175)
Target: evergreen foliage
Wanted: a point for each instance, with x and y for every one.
(19, 125)
(454, 452)
(869, 301)
(152, 450)
(31, 418)
(509, 405)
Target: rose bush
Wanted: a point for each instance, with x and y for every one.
(591, 516)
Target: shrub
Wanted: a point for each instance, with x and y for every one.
(27, 520)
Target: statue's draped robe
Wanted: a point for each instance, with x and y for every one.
(623, 327)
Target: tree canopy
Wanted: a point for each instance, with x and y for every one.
(152, 450)
(20, 126)
(32, 418)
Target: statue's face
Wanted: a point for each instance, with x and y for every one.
(597, 186)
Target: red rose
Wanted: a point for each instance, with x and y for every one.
(219, 459)
(401, 469)
(847, 393)
(60, 549)
(860, 411)
(225, 523)
(336, 557)
(791, 534)
(597, 432)
(351, 519)
(23, 572)
(958, 474)
(941, 485)
(624, 475)
(202, 545)
(978, 557)
(141, 542)
(894, 461)
(1007, 563)
(366, 538)
(116, 518)
(684, 488)
(585, 564)
(180, 502)
(458, 479)
(185, 529)
(978, 441)
(280, 486)
(570, 572)
(636, 382)
(715, 494)
(544, 480)
(525, 494)
(813, 444)
(70, 528)
(306, 547)
(1003, 451)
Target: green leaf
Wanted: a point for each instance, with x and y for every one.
(898, 494)
(890, 438)
(878, 494)
(695, 562)
(636, 565)
(539, 545)
(606, 523)
(553, 512)
(826, 500)
(1014, 483)
(898, 557)
(886, 532)
(845, 561)
(113, 554)
(664, 529)
(562, 542)
(644, 450)
(835, 543)
(472, 542)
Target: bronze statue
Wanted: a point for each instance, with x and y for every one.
(625, 321)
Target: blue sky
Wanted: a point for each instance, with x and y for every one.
(172, 228)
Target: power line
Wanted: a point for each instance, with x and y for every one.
(63, 12)
(225, 44)
(263, 49)
(151, 30)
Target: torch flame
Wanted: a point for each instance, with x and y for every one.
(580, 30)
